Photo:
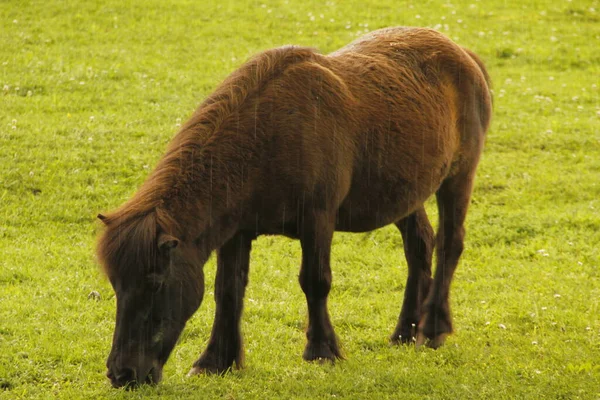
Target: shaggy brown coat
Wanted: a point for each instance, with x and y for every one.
(302, 144)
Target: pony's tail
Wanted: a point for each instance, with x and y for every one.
(486, 111)
(479, 63)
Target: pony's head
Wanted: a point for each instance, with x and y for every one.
(159, 283)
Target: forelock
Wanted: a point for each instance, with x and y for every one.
(128, 245)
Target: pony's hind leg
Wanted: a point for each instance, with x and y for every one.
(453, 200)
(315, 280)
(418, 240)
(225, 344)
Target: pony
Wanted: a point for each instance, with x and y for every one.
(300, 144)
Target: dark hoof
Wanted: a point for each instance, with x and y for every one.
(433, 343)
(402, 340)
(433, 330)
(322, 351)
(404, 335)
(209, 364)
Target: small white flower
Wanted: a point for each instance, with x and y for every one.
(534, 343)
(557, 296)
(501, 326)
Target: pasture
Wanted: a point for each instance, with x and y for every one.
(91, 93)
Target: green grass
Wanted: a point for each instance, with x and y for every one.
(91, 92)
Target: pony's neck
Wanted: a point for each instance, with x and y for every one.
(198, 190)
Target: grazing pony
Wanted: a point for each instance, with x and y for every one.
(300, 144)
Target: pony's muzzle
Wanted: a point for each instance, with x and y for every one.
(120, 377)
(130, 378)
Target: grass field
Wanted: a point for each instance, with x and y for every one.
(91, 92)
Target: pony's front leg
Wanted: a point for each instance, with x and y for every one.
(225, 344)
(315, 280)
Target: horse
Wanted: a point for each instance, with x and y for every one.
(300, 144)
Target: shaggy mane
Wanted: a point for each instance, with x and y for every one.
(132, 229)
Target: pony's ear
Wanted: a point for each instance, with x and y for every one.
(167, 242)
(103, 218)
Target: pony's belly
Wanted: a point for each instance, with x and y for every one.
(380, 196)
(373, 212)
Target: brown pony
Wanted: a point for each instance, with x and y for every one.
(300, 144)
